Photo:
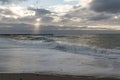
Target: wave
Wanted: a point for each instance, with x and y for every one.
(85, 50)
(50, 42)
(71, 48)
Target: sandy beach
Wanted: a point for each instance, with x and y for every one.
(31, 76)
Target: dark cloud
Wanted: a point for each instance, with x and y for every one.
(100, 17)
(4, 1)
(9, 1)
(111, 6)
(43, 14)
(47, 19)
(40, 11)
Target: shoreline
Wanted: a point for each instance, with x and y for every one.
(39, 76)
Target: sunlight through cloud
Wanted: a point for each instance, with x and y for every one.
(37, 25)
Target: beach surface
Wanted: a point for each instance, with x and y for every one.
(31, 76)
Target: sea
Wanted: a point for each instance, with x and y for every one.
(89, 55)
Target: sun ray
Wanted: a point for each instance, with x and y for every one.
(37, 25)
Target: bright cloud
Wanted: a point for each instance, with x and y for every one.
(56, 19)
(84, 3)
(9, 16)
(61, 8)
(70, 0)
(21, 11)
(38, 19)
(15, 11)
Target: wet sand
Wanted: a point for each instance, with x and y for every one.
(31, 76)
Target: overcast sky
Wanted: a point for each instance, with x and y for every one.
(77, 13)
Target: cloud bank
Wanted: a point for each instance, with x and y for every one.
(110, 6)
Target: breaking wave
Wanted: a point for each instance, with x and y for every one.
(51, 43)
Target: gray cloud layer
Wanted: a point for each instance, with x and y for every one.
(4, 1)
(110, 6)
(100, 17)
(40, 11)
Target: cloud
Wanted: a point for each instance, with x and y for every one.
(84, 3)
(57, 19)
(40, 11)
(6, 13)
(79, 16)
(18, 14)
(110, 6)
(10, 1)
(43, 14)
(61, 8)
(21, 11)
(15, 11)
(100, 17)
(70, 0)
(47, 19)
(4, 1)
(84, 13)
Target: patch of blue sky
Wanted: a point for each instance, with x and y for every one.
(46, 3)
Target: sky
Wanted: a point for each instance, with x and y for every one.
(70, 13)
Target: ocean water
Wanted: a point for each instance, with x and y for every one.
(96, 55)
(99, 41)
